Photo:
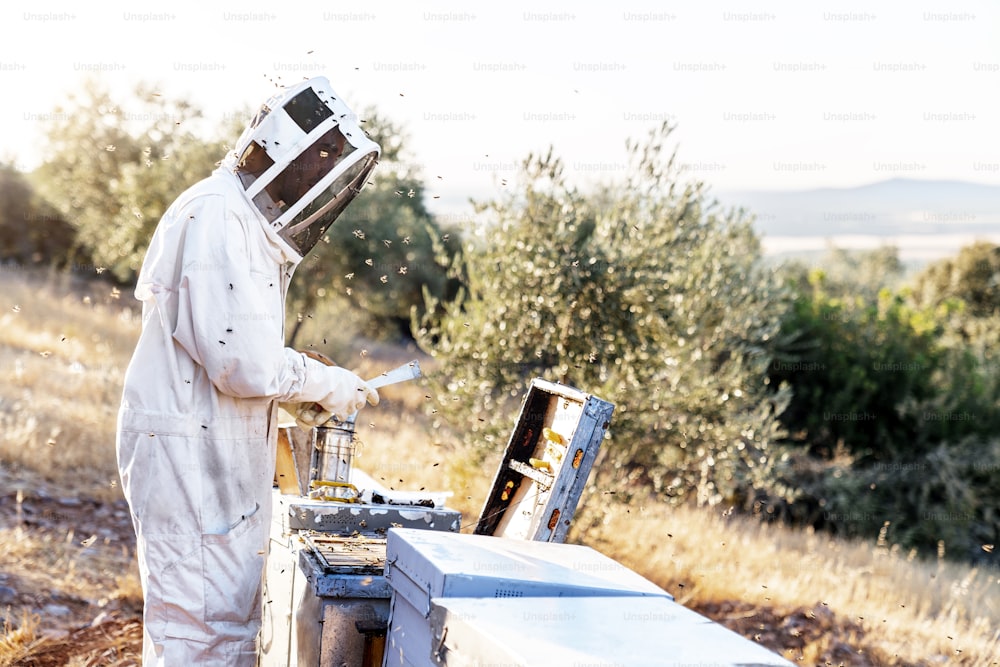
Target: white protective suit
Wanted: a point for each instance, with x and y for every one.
(197, 425)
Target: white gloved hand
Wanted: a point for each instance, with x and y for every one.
(347, 393)
(341, 393)
(307, 415)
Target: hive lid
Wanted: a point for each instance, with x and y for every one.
(422, 564)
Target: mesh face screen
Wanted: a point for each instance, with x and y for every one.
(308, 227)
(312, 165)
(307, 110)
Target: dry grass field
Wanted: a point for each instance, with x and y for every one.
(68, 587)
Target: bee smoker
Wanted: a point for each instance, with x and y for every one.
(333, 445)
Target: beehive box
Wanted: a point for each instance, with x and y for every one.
(343, 609)
(422, 565)
(563, 632)
(546, 464)
(312, 606)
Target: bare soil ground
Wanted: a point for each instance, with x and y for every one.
(59, 550)
(808, 636)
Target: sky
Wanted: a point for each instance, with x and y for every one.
(768, 95)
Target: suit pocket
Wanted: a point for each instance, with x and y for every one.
(234, 566)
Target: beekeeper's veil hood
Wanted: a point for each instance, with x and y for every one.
(302, 159)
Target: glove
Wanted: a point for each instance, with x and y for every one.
(346, 394)
(307, 415)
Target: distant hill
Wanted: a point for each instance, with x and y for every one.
(925, 219)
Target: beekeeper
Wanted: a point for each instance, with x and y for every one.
(197, 424)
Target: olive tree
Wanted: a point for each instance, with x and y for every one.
(644, 293)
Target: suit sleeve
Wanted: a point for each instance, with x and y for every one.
(227, 321)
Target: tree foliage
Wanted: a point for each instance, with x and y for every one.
(645, 294)
(31, 231)
(112, 169)
(858, 366)
(973, 276)
(895, 408)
